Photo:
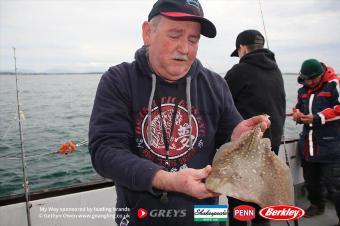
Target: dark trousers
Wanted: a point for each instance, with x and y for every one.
(319, 176)
(234, 203)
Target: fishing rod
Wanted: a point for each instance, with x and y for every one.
(20, 119)
(264, 25)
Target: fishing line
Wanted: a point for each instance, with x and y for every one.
(29, 157)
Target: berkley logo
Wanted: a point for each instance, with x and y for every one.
(244, 213)
(282, 212)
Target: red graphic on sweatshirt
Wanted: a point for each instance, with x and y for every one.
(179, 142)
(179, 145)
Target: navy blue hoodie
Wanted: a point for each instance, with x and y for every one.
(126, 140)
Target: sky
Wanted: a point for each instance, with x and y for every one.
(91, 36)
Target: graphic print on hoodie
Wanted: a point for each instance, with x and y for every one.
(180, 150)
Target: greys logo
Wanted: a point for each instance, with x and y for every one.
(168, 213)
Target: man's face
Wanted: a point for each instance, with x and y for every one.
(173, 46)
(242, 50)
(312, 83)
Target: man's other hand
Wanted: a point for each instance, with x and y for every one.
(250, 124)
(188, 181)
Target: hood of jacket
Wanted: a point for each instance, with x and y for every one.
(263, 58)
(142, 60)
(329, 74)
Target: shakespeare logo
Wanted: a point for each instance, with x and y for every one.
(210, 213)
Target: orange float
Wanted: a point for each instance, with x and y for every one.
(67, 148)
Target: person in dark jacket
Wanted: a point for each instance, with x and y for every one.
(156, 122)
(256, 85)
(318, 109)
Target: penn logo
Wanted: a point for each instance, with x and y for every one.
(282, 212)
(244, 213)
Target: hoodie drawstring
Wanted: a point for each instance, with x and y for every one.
(188, 99)
(150, 109)
(187, 90)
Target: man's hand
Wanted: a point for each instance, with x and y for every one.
(249, 124)
(306, 119)
(301, 118)
(296, 116)
(188, 181)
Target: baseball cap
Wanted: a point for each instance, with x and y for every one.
(310, 69)
(184, 10)
(248, 37)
